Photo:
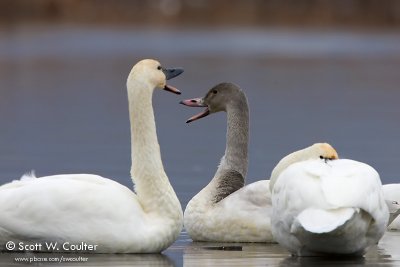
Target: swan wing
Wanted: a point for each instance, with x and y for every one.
(77, 207)
(252, 196)
(350, 183)
(245, 214)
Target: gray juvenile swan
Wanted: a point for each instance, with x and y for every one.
(226, 210)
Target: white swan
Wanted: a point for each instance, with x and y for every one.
(224, 210)
(392, 196)
(87, 208)
(325, 206)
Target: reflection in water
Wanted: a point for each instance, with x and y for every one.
(317, 261)
(389, 247)
(226, 254)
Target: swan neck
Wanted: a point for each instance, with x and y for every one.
(232, 170)
(152, 186)
(283, 164)
(237, 138)
(146, 156)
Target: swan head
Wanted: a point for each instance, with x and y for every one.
(151, 71)
(219, 98)
(393, 205)
(318, 151)
(394, 209)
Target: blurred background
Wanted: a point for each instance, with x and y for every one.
(313, 71)
(251, 13)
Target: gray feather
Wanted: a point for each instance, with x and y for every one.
(228, 182)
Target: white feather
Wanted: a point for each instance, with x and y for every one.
(392, 196)
(333, 207)
(28, 175)
(243, 216)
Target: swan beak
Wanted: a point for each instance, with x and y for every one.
(196, 102)
(172, 89)
(171, 73)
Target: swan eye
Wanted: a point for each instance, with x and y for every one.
(321, 157)
(215, 92)
(395, 202)
(159, 67)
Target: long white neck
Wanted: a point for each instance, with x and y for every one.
(283, 164)
(151, 183)
(146, 156)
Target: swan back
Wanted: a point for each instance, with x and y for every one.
(322, 206)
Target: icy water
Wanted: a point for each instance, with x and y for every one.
(63, 109)
(186, 253)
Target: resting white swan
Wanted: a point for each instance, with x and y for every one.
(325, 206)
(225, 210)
(392, 196)
(88, 208)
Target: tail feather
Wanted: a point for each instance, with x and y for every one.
(322, 221)
(342, 230)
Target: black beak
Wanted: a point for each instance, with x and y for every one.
(171, 73)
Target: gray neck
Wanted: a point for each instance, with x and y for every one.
(228, 182)
(237, 138)
(232, 170)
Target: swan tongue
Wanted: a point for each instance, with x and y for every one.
(172, 89)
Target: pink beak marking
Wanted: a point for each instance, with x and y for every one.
(196, 102)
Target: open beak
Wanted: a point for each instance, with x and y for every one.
(169, 74)
(196, 102)
(171, 89)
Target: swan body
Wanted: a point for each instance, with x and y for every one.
(88, 208)
(242, 216)
(226, 210)
(327, 207)
(392, 196)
